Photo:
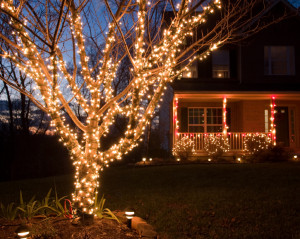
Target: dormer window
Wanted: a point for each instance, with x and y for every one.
(220, 64)
(279, 60)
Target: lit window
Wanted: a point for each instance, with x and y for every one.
(220, 64)
(205, 120)
(279, 60)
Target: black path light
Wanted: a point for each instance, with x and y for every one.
(129, 213)
(23, 231)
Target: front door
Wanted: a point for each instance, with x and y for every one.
(282, 126)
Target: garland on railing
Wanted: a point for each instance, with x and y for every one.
(256, 142)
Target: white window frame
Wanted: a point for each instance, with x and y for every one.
(205, 125)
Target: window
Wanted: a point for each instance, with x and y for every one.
(279, 60)
(202, 120)
(266, 121)
(196, 119)
(220, 64)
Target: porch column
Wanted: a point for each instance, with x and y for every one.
(224, 125)
(175, 120)
(273, 126)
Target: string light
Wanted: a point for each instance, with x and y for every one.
(216, 144)
(272, 119)
(151, 72)
(225, 127)
(175, 121)
(256, 142)
(184, 148)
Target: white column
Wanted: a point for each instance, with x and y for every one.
(272, 119)
(224, 125)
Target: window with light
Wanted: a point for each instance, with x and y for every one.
(220, 64)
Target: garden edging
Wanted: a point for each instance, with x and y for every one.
(144, 229)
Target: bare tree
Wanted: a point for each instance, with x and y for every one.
(21, 112)
(50, 33)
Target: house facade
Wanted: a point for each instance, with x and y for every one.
(241, 90)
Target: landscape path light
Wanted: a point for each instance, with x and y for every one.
(129, 213)
(23, 232)
(295, 157)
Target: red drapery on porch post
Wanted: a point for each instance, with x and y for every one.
(273, 126)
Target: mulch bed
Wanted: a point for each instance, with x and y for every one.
(62, 228)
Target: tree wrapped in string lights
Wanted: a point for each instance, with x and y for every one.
(44, 37)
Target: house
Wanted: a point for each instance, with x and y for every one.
(241, 90)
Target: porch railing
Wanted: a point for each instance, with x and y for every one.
(235, 139)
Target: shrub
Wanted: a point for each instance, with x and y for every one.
(184, 148)
(102, 212)
(27, 210)
(216, 145)
(272, 154)
(9, 212)
(255, 143)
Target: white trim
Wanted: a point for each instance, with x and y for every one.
(205, 124)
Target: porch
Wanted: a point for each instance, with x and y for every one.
(237, 116)
(236, 140)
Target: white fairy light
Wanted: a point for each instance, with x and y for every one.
(151, 72)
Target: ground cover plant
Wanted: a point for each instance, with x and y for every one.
(52, 218)
(199, 200)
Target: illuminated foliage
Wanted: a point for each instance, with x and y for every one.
(43, 35)
(254, 143)
(184, 148)
(216, 145)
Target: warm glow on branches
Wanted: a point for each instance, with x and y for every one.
(38, 46)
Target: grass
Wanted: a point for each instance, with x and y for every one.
(196, 201)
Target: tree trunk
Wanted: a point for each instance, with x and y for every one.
(24, 115)
(10, 110)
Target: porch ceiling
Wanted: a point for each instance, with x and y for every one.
(234, 96)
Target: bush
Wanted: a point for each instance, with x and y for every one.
(184, 148)
(255, 143)
(216, 145)
(27, 210)
(272, 154)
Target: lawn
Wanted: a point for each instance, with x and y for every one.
(196, 201)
